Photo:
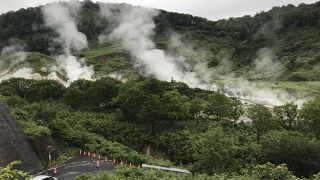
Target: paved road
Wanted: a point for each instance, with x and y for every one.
(78, 165)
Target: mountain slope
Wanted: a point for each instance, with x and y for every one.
(278, 45)
(290, 32)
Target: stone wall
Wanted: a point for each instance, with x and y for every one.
(14, 145)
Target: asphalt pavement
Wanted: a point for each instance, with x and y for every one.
(77, 165)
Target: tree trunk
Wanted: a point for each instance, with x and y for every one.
(153, 127)
(258, 136)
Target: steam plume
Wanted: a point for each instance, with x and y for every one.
(11, 56)
(134, 31)
(61, 18)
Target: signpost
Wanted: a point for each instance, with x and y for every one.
(49, 150)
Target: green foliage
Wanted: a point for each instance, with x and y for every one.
(261, 119)
(40, 63)
(310, 116)
(295, 149)
(271, 171)
(190, 127)
(290, 32)
(219, 106)
(32, 90)
(214, 152)
(9, 173)
(32, 130)
(92, 95)
(122, 172)
(175, 106)
(152, 101)
(115, 119)
(287, 114)
(180, 145)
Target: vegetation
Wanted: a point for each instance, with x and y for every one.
(197, 129)
(128, 117)
(287, 35)
(266, 171)
(9, 173)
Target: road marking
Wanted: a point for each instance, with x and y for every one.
(76, 165)
(78, 162)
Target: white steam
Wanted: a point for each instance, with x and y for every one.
(265, 66)
(134, 31)
(135, 27)
(233, 85)
(12, 56)
(13, 65)
(61, 18)
(74, 69)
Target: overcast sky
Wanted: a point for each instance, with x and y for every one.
(210, 9)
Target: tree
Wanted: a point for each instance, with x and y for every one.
(218, 106)
(130, 99)
(310, 116)
(298, 151)
(75, 98)
(236, 110)
(214, 154)
(287, 114)
(45, 89)
(271, 171)
(197, 108)
(102, 91)
(151, 111)
(261, 119)
(175, 107)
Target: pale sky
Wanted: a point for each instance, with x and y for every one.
(210, 9)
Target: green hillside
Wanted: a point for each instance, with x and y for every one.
(140, 119)
(290, 33)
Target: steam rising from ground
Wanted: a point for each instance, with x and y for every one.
(135, 27)
(265, 66)
(11, 56)
(61, 18)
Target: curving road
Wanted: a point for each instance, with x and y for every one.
(77, 165)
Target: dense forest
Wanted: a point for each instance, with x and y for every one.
(187, 127)
(200, 130)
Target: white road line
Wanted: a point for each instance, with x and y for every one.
(79, 165)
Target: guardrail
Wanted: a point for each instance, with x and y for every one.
(173, 169)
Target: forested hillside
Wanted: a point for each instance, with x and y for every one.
(123, 81)
(196, 129)
(290, 34)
